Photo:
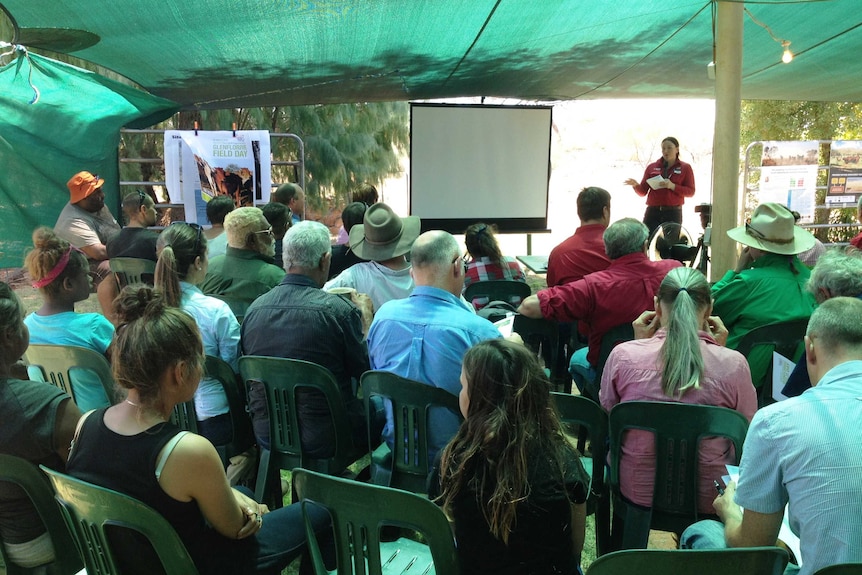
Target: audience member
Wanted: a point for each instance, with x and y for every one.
(292, 196)
(133, 448)
(246, 270)
(383, 238)
(681, 360)
(60, 273)
(837, 273)
(365, 194)
(605, 299)
(487, 262)
(278, 217)
(135, 240)
(424, 337)
(512, 485)
(768, 284)
(584, 252)
(298, 320)
(86, 223)
(342, 256)
(217, 210)
(856, 242)
(182, 265)
(665, 197)
(810, 256)
(37, 422)
(801, 457)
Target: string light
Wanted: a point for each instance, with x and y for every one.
(787, 56)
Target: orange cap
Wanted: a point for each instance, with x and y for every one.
(82, 185)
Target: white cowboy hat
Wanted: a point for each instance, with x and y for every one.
(773, 229)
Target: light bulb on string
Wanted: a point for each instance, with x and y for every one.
(787, 57)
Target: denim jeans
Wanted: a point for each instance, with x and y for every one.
(710, 535)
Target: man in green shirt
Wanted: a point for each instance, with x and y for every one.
(768, 284)
(246, 270)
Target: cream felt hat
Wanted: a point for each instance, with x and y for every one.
(772, 229)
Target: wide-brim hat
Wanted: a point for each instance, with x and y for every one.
(773, 229)
(383, 234)
(82, 185)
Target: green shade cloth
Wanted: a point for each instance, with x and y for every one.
(225, 53)
(74, 125)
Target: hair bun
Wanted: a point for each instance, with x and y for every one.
(137, 301)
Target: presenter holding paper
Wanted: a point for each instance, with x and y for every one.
(665, 183)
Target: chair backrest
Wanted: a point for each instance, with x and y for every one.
(612, 338)
(56, 362)
(359, 510)
(281, 378)
(130, 271)
(92, 512)
(678, 429)
(509, 291)
(783, 337)
(238, 306)
(841, 569)
(581, 411)
(185, 417)
(411, 401)
(543, 337)
(36, 486)
(242, 436)
(742, 561)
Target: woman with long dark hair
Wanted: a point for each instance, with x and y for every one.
(680, 358)
(510, 481)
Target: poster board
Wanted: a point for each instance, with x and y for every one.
(788, 176)
(200, 165)
(845, 174)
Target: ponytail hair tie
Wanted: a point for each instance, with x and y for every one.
(682, 289)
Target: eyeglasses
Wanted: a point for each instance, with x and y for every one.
(193, 226)
(266, 231)
(463, 262)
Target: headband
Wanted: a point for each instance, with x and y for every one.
(57, 270)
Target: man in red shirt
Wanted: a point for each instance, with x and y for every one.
(604, 299)
(584, 252)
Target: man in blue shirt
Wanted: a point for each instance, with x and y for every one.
(424, 337)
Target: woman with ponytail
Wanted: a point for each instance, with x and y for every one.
(181, 266)
(133, 448)
(510, 482)
(677, 356)
(62, 275)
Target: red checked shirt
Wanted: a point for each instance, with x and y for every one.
(680, 174)
(608, 298)
(579, 255)
(483, 269)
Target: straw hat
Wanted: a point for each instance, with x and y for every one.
(772, 229)
(383, 235)
(82, 185)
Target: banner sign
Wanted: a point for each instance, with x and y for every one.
(201, 165)
(845, 174)
(788, 176)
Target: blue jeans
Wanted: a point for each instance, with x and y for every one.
(583, 374)
(709, 534)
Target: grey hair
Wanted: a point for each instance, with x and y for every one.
(838, 272)
(304, 244)
(434, 249)
(241, 222)
(837, 323)
(624, 237)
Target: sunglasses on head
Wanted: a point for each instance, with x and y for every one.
(194, 226)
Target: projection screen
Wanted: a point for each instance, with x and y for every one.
(471, 163)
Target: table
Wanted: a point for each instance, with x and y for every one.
(536, 264)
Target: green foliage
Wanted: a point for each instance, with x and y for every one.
(778, 120)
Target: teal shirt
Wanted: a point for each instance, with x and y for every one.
(767, 292)
(241, 276)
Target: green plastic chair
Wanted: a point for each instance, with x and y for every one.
(184, 416)
(130, 271)
(784, 337)
(612, 338)
(543, 337)
(678, 429)
(509, 291)
(242, 435)
(57, 361)
(359, 511)
(840, 569)
(92, 513)
(38, 489)
(742, 561)
(411, 401)
(579, 411)
(281, 378)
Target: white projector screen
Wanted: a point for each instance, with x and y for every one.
(471, 163)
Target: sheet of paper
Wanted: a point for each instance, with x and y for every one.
(781, 370)
(505, 325)
(786, 534)
(655, 181)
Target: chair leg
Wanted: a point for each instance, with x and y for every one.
(267, 489)
(603, 525)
